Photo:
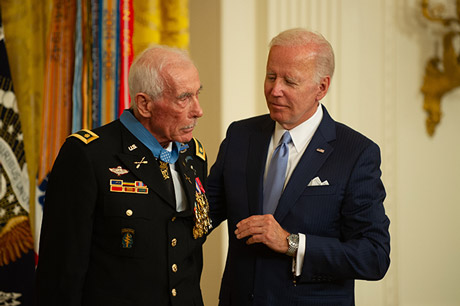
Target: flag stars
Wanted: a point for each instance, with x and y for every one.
(11, 198)
(2, 212)
(20, 137)
(11, 129)
(17, 210)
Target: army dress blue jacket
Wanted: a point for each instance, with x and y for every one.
(111, 234)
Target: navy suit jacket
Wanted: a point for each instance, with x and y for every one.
(345, 224)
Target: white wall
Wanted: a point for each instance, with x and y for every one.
(381, 49)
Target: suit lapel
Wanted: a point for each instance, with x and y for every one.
(257, 157)
(311, 161)
(148, 172)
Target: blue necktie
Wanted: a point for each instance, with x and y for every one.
(276, 174)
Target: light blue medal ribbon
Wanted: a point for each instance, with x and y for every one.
(144, 136)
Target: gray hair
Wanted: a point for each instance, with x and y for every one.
(145, 74)
(324, 56)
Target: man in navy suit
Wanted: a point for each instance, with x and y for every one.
(328, 227)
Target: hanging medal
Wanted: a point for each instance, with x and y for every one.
(201, 209)
(164, 169)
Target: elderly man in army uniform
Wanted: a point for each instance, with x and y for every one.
(125, 211)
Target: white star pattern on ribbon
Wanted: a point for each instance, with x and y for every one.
(165, 156)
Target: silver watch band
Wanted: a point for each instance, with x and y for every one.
(293, 244)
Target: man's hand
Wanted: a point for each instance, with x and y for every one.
(263, 229)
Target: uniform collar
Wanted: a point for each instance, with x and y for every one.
(140, 132)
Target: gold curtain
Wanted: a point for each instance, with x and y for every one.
(25, 25)
(163, 22)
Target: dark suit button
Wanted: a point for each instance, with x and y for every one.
(251, 296)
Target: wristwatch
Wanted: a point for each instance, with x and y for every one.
(293, 244)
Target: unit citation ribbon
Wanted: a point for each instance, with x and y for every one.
(202, 222)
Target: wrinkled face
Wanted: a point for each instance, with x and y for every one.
(291, 93)
(175, 114)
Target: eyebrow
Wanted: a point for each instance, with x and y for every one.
(188, 94)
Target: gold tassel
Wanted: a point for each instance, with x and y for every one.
(15, 240)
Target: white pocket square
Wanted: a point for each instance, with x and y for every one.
(317, 182)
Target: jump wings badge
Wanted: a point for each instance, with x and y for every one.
(202, 222)
(118, 170)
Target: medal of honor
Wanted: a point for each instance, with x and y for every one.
(164, 169)
(201, 210)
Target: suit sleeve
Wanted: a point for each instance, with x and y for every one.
(216, 186)
(362, 251)
(66, 228)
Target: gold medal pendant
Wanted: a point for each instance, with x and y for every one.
(164, 170)
(201, 210)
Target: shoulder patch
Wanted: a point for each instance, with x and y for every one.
(85, 135)
(199, 149)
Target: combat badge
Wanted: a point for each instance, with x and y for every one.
(127, 238)
(202, 222)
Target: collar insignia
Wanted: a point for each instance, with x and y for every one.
(183, 147)
(139, 163)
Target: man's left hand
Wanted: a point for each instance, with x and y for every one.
(263, 229)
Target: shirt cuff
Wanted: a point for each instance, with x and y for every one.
(297, 263)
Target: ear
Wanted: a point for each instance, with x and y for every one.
(144, 104)
(323, 87)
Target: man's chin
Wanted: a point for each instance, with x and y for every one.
(186, 137)
(276, 116)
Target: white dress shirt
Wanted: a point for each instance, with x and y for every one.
(179, 192)
(301, 136)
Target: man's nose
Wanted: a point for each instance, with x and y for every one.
(197, 111)
(276, 88)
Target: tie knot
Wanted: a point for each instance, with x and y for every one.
(286, 138)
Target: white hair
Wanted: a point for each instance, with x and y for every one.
(325, 63)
